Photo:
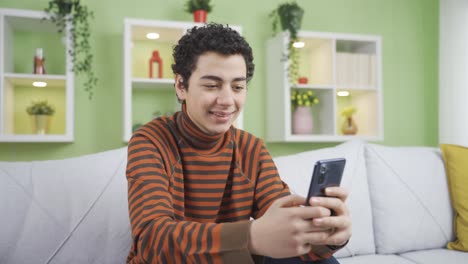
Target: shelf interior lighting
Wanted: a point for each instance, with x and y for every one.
(342, 93)
(39, 84)
(152, 35)
(298, 44)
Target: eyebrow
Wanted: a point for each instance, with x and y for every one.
(218, 79)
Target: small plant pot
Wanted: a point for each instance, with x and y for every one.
(199, 16)
(40, 124)
(290, 17)
(303, 80)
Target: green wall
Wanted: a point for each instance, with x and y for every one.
(409, 29)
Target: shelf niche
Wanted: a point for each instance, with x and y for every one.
(22, 32)
(332, 63)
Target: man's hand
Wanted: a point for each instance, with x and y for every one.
(339, 223)
(288, 229)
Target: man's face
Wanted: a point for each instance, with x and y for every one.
(216, 91)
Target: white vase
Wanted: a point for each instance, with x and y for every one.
(302, 121)
(40, 124)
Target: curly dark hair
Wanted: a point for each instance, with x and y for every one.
(211, 37)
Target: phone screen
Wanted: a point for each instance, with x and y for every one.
(326, 173)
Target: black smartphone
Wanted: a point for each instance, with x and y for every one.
(326, 173)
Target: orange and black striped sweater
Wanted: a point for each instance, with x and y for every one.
(191, 195)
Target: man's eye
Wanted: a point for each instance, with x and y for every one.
(211, 86)
(239, 88)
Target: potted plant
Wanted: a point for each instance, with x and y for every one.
(41, 112)
(199, 9)
(289, 15)
(349, 127)
(72, 12)
(301, 101)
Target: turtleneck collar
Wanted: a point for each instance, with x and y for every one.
(196, 137)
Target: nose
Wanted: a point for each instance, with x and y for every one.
(225, 96)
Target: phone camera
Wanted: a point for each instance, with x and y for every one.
(323, 170)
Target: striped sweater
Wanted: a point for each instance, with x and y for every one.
(191, 195)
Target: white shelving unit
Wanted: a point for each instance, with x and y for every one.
(143, 95)
(16, 78)
(332, 62)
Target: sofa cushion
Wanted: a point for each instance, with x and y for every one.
(375, 259)
(296, 171)
(437, 256)
(456, 167)
(409, 196)
(65, 211)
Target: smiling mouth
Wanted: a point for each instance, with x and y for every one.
(222, 116)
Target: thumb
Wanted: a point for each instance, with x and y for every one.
(290, 201)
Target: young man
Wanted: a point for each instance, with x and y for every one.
(194, 180)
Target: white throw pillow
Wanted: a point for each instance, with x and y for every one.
(296, 171)
(409, 197)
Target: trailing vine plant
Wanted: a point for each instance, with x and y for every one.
(289, 15)
(71, 12)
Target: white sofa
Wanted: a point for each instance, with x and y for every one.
(75, 210)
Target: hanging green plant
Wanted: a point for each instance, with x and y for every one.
(77, 15)
(193, 5)
(289, 15)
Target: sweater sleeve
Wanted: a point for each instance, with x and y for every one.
(158, 237)
(269, 188)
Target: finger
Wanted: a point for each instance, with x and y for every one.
(336, 222)
(338, 192)
(290, 201)
(327, 238)
(338, 238)
(312, 228)
(317, 238)
(336, 205)
(310, 212)
(307, 225)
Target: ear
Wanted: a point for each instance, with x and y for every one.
(179, 87)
